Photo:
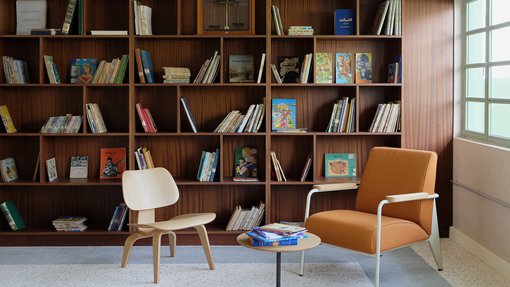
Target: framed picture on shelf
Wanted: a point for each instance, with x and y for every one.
(226, 17)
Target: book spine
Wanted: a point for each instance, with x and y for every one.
(139, 64)
(261, 69)
(139, 110)
(69, 17)
(111, 227)
(147, 66)
(255, 242)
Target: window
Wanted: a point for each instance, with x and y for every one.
(486, 95)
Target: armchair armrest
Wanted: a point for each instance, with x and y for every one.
(410, 197)
(326, 188)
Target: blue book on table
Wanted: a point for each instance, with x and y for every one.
(344, 22)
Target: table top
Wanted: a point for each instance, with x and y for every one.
(303, 244)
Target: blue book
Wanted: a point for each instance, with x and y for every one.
(111, 226)
(148, 68)
(214, 165)
(283, 114)
(199, 173)
(344, 22)
(256, 236)
(287, 242)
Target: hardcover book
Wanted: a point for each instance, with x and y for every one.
(393, 73)
(340, 164)
(30, 15)
(363, 68)
(323, 68)
(8, 169)
(344, 68)
(12, 215)
(113, 163)
(288, 68)
(82, 70)
(51, 169)
(283, 114)
(7, 120)
(240, 69)
(79, 166)
(344, 22)
(245, 164)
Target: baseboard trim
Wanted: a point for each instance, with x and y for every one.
(487, 256)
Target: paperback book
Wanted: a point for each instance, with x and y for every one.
(363, 68)
(82, 70)
(340, 164)
(240, 69)
(79, 166)
(8, 169)
(113, 163)
(323, 68)
(288, 69)
(51, 169)
(283, 114)
(344, 68)
(245, 164)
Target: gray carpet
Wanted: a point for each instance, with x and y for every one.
(401, 267)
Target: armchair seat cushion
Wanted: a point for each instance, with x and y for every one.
(358, 230)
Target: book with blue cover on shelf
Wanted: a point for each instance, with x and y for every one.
(148, 68)
(344, 22)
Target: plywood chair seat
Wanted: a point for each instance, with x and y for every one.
(179, 222)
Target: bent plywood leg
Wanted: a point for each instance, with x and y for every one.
(156, 247)
(202, 233)
(172, 242)
(127, 247)
(434, 242)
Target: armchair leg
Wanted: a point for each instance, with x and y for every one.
(202, 233)
(302, 266)
(127, 247)
(156, 246)
(377, 268)
(172, 240)
(434, 242)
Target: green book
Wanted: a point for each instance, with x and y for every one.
(119, 78)
(340, 164)
(12, 214)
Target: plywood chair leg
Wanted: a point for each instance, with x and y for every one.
(156, 248)
(202, 233)
(127, 247)
(172, 242)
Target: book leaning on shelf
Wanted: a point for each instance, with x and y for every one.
(280, 175)
(235, 122)
(118, 218)
(145, 66)
(143, 18)
(95, 118)
(51, 70)
(246, 219)
(209, 70)
(277, 20)
(146, 119)
(12, 215)
(15, 71)
(8, 169)
(388, 19)
(189, 115)
(387, 118)
(62, 124)
(7, 120)
(208, 166)
(111, 72)
(143, 158)
(343, 116)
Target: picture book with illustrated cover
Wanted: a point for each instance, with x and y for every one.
(8, 169)
(323, 68)
(82, 70)
(51, 169)
(113, 163)
(288, 68)
(79, 166)
(340, 164)
(240, 69)
(283, 114)
(7, 120)
(245, 164)
(363, 68)
(344, 68)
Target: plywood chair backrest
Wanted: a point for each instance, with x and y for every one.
(392, 171)
(149, 189)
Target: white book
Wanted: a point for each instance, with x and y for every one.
(109, 32)
(145, 16)
(377, 112)
(30, 14)
(79, 167)
(393, 6)
(261, 69)
(382, 11)
(51, 169)
(332, 118)
(137, 18)
(233, 218)
(253, 119)
(261, 118)
(275, 20)
(279, 18)
(201, 73)
(99, 118)
(209, 68)
(387, 22)
(276, 74)
(246, 118)
(384, 118)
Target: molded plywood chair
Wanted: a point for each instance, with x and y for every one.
(400, 180)
(146, 190)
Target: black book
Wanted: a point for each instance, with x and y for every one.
(189, 115)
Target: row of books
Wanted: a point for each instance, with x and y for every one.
(280, 174)
(8, 170)
(143, 19)
(235, 122)
(343, 117)
(7, 120)
(145, 66)
(62, 124)
(176, 75)
(246, 219)
(277, 20)
(208, 166)
(95, 118)
(209, 70)
(143, 158)
(148, 124)
(389, 15)
(110, 72)
(301, 30)
(70, 223)
(118, 218)
(276, 234)
(15, 71)
(387, 118)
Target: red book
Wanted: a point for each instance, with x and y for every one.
(113, 163)
(141, 115)
(138, 59)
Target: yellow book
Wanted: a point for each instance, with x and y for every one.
(6, 118)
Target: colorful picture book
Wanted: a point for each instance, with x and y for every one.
(363, 68)
(51, 169)
(7, 120)
(113, 163)
(118, 218)
(340, 164)
(323, 68)
(240, 69)
(288, 68)
(8, 169)
(79, 166)
(344, 68)
(245, 164)
(283, 114)
(344, 21)
(208, 166)
(82, 70)
(12, 215)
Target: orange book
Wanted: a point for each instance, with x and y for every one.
(138, 59)
(113, 163)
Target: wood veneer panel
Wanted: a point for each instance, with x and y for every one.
(428, 77)
(313, 104)
(31, 106)
(229, 145)
(7, 17)
(370, 98)
(161, 101)
(109, 15)
(21, 49)
(113, 104)
(189, 17)
(292, 153)
(367, 15)
(24, 150)
(243, 46)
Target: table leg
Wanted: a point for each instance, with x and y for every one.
(278, 268)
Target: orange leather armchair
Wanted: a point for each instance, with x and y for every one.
(400, 180)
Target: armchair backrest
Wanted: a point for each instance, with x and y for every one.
(391, 171)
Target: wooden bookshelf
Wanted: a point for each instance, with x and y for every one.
(175, 43)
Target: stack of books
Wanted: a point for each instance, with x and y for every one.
(386, 119)
(118, 218)
(208, 166)
(343, 117)
(95, 118)
(70, 223)
(280, 175)
(176, 75)
(389, 15)
(209, 70)
(246, 219)
(277, 20)
(143, 19)
(276, 234)
(51, 70)
(111, 72)
(235, 122)
(67, 124)
(143, 158)
(301, 30)
(15, 71)
(148, 124)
